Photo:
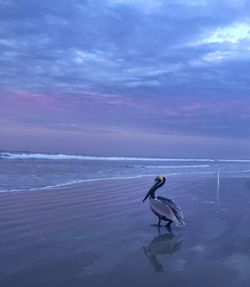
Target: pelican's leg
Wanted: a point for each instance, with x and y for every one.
(168, 226)
(158, 224)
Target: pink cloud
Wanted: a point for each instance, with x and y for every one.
(192, 107)
(27, 97)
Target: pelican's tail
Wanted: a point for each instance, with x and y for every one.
(181, 224)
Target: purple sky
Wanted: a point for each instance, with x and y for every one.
(123, 77)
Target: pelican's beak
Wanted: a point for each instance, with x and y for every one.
(151, 190)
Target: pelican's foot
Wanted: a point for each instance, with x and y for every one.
(168, 227)
(157, 225)
(145, 250)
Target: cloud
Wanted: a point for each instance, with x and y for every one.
(232, 34)
(217, 56)
(146, 6)
(152, 83)
(172, 67)
(227, 43)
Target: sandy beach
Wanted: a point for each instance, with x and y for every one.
(99, 234)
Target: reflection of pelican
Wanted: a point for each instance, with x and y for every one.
(162, 244)
(166, 209)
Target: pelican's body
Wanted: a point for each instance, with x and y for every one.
(164, 208)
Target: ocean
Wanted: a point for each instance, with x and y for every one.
(24, 171)
(80, 221)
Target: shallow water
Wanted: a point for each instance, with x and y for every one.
(99, 234)
(25, 171)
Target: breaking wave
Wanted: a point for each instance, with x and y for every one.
(27, 155)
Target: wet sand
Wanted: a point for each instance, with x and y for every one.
(99, 234)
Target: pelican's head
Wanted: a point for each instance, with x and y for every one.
(160, 178)
(159, 181)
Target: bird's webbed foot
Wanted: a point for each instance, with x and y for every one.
(157, 225)
(168, 227)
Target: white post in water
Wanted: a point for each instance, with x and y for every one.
(218, 187)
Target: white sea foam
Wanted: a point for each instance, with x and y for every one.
(27, 155)
(16, 155)
(70, 172)
(234, 160)
(177, 166)
(76, 182)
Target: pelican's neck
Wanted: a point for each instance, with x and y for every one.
(152, 194)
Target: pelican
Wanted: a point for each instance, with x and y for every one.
(165, 208)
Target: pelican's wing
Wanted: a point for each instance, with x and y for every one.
(162, 209)
(175, 208)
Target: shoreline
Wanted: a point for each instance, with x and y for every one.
(99, 233)
(77, 183)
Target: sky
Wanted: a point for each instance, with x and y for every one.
(126, 77)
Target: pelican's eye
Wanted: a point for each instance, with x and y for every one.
(161, 177)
